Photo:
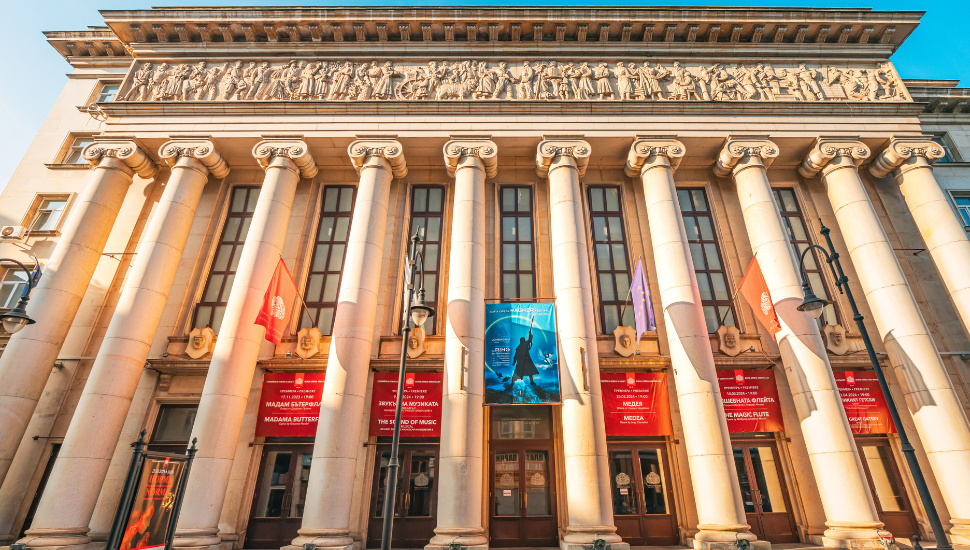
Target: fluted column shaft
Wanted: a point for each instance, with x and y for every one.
(720, 507)
(227, 384)
(588, 493)
(850, 514)
(326, 518)
(462, 417)
(72, 490)
(929, 394)
(30, 354)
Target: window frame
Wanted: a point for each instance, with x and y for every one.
(68, 148)
(956, 194)
(31, 213)
(531, 215)
(316, 243)
(950, 153)
(619, 301)
(6, 268)
(432, 299)
(96, 97)
(172, 446)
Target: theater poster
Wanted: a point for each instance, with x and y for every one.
(864, 403)
(750, 400)
(289, 404)
(151, 514)
(521, 354)
(420, 407)
(636, 404)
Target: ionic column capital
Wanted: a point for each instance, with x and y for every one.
(552, 148)
(741, 151)
(200, 148)
(828, 148)
(292, 148)
(479, 147)
(388, 150)
(649, 151)
(125, 150)
(903, 148)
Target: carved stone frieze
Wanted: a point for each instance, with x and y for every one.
(647, 150)
(553, 147)
(902, 148)
(125, 150)
(736, 148)
(473, 146)
(200, 148)
(470, 80)
(388, 149)
(292, 148)
(827, 149)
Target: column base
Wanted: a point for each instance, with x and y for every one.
(470, 538)
(960, 531)
(852, 535)
(197, 539)
(56, 538)
(331, 539)
(584, 537)
(725, 537)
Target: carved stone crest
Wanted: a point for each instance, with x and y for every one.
(308, 342)
(200, 342)
(416, 342)
(730, 340)
(835, 340)
(626, 344)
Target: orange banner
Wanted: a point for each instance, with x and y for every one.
(755, 291)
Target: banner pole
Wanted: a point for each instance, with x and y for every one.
(124, 504)
(729, 309)
(629, 293)
(300, 296)
(179, 495)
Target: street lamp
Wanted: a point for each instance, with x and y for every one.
(813, 305)
(419, 313)
(17, 318)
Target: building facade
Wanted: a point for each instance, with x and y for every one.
(540, 155)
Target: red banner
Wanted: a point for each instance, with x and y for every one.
(636, 403)
(750, 400)
(280, 295)
(289, 404)
(864, 403)
(151, 513)
(420, 410)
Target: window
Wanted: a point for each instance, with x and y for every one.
(518, 252)
(213, 305)
(173, 428)
(13, 282)
(706, 255)
(107, 93)
(48, 213)
(948, 155)
(73, 154)
(800, 240)
(427, 212)
(328, 257)
(609, 249)
(963, 206)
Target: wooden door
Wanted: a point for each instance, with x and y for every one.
(281, 489)
(522, 495)
(416, 498)
(763, 491)
(642, 496)
(887, 487)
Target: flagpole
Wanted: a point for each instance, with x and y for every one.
(300, 296)
(629, 292)
(729, 309)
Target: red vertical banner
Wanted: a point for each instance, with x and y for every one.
(636, 404)
(750, 399)
(420, 407)
(864, 403)
(289, 404)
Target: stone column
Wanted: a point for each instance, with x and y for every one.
(850, 514)
(929, 394)
(29, 356)
(227, 384)
(65, 510)
(720, 508)
(910, 161)
(469, 160)
(563, 160)
(326, 518)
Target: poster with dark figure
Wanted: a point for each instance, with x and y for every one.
(521, 354)
(147, 525)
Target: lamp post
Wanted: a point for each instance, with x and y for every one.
(17, 318)
(813, 305)
(419, 313)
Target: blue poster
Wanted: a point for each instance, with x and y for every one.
(521, 355)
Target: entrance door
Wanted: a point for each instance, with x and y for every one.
(763, 490)
(280, 496)
(415, 500)
(887, 487)
(642, 498)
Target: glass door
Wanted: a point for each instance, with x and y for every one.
(415, 499)
(281, 489)
(763, 491)
(887, 487)
(642, 498)
(523, 506)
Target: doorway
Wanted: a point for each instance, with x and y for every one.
(887, 488)
(281, 489)
(763, 490)
(522, 492)
(416, 497)
(642, 496)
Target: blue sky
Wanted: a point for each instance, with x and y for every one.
(34, 74)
